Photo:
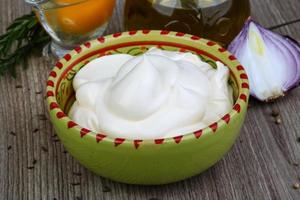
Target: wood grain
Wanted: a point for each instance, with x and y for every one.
(263, 164)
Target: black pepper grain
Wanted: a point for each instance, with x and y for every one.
(12, 133)
(36, 130)
(55, 140)
(77, 173)
(275, 113)
(44, 149)
(296, 164)
(106, 189)
(42, 117)
(75, 184)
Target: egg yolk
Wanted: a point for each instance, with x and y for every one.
(83, 16)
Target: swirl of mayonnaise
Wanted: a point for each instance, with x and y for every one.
(159, 94)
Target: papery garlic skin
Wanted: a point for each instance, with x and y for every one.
(156, 95)
(272, 61)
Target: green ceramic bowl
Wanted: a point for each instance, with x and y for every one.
(157, 161)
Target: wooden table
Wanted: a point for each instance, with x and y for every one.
(263, 164)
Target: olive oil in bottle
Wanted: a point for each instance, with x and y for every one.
(218, 20)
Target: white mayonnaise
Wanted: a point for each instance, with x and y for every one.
(156, 95)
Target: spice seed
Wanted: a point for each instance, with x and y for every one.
(12, 133)
(55, 140)
(296, 164)
(77, 173)
(9, 147)
(296, 186)
(36, 130)
(75, 184)
(106, 189)
(19, 86)
(275, 113)
(298, 139)
(42, 117)
(44, 149)
(278, 121)
(30, 167)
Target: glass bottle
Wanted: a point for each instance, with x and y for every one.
(218, 20)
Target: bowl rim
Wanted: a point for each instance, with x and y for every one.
(236, 69)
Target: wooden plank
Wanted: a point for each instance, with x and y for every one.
(274, 12)
(261, 164)
(292, 30)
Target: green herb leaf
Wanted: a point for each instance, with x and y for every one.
(22, 37)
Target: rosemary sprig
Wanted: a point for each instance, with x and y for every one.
(22, 37)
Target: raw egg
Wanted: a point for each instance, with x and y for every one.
(81, 17)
